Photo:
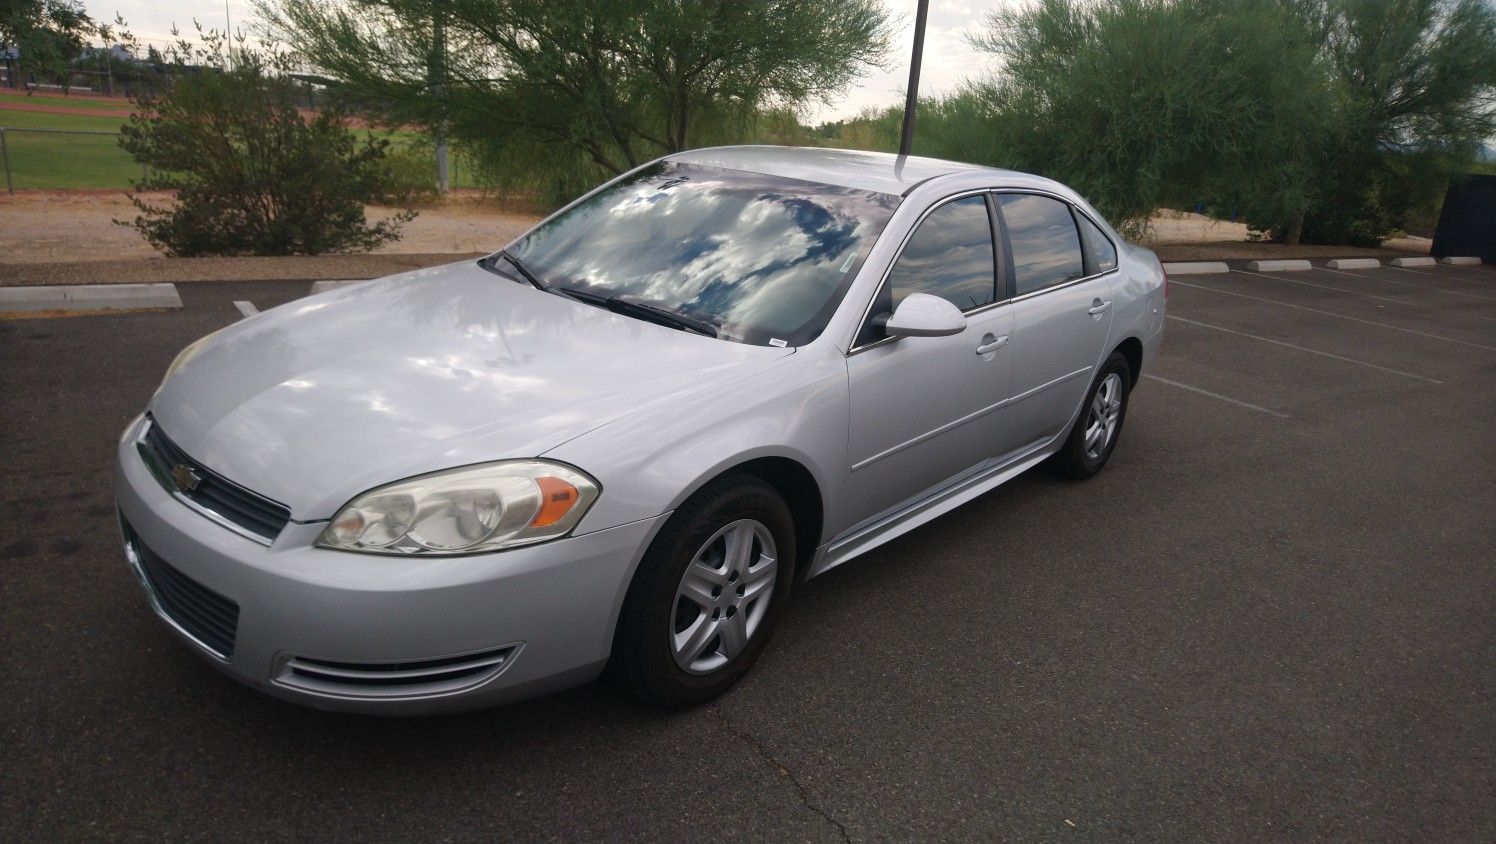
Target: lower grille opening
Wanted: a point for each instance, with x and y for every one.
(393, 679)
(208, 617)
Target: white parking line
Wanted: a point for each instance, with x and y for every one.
(1440, 289)
(1237, 402)
(1304, 349)
(1415, 288)
(246, 308)
(1333, 314)
(1392, 299)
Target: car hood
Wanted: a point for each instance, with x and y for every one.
(318, 400)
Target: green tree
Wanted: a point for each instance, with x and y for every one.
(1324, 120)
(252, 175)
(1414, 97)
(1142, 104)
(614, 84)
(48, 35)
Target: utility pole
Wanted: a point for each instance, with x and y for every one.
(439, 80)
(228, 32)
(911, 101)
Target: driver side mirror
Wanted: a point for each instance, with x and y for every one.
(923, 315)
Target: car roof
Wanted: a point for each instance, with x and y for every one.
(872, 171)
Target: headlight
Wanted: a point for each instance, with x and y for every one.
(485, 507)
(187, 354)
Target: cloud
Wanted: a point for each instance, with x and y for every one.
(948, 61)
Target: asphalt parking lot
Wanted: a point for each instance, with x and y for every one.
(1270, 617)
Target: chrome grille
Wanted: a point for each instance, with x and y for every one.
(215, 495)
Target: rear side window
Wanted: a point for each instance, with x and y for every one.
(950, 255)
(1046, 246)
(1100, 253)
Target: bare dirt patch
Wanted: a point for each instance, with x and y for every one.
(1184, 236)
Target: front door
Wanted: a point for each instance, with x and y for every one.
(924, 409)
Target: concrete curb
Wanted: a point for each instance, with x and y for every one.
(1280, 266)
(1197, 268)
(1412, 262)
(1460, 261)
(324, 286)
(1353, 264)
(88, 297)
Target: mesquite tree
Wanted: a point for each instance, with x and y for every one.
(617, 82)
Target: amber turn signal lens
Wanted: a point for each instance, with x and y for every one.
(556, 498)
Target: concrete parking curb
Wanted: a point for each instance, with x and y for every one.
(1412, 262)
(1280, 266)
(1460, 260)
(1197, 268)
(1353, 263)
(88, 297)
(324, 286)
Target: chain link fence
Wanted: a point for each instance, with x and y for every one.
(80, 159)
(66, 159)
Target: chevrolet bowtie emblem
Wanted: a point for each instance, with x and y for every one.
(186, 477)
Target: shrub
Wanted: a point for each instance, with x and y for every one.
(252, 174)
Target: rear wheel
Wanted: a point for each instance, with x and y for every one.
(706, 595)
(1100, 422)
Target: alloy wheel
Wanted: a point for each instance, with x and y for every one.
(1102, 416)
(723, 596)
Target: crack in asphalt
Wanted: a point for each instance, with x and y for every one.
(784, 772)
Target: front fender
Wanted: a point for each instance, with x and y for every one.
(648, 463)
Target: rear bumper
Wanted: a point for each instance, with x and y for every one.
(366, 633)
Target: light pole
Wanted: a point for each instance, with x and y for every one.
(439, 74)
(911, 100)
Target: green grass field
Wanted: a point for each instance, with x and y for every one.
(50, 161)
(65, 162)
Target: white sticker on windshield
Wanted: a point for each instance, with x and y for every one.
(778, 343)
(847, 264)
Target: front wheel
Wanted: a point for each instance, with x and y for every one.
(706, 595)
(1100, 422)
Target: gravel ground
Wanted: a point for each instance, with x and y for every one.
(63, 237)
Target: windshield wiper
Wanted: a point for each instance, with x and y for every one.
(524, 273)
(649, 313)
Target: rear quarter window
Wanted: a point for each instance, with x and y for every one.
(1100, 253)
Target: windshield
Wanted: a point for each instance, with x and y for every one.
(763, 259)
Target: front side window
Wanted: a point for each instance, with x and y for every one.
(763, 259)
(1046, 246)
(950, 255)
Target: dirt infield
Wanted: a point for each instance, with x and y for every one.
(20, 104)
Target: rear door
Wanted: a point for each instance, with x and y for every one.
(1062, 312)
(923, 409)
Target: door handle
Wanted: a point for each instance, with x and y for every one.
(1099, 306)
(991, 344)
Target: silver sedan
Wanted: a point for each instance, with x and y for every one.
(615, 445)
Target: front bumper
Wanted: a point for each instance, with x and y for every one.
(374, 634)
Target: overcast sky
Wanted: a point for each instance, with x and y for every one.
(948, 58)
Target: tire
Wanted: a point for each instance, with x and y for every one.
(1080, 457)
(665, 617)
